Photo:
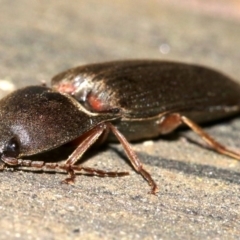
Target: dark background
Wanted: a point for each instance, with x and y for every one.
(199, 189)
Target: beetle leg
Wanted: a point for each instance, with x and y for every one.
(134, 158)
(10, 161)
(172, 121)
(100, 173)
(209, 140)
(72, 176)
(169, 122)
(41, 165)
(103, 137)
(91, 138)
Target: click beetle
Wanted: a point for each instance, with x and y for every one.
(121, 100)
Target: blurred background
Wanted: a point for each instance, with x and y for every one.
(40, 38)
(199, 189)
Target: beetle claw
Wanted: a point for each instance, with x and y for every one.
(68, 181)
(71, 178)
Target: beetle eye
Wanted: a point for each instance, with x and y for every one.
(12, 148)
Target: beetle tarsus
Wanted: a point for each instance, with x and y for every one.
(70, 169)
(100, 173)
(151, 182)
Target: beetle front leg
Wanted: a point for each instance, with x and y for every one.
(18, 163)
(43, 166)
(91, 137)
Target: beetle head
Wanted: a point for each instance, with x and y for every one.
(9, 145)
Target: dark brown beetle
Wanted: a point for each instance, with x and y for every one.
(123, 100)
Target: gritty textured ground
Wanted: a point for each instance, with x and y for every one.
(199, 195)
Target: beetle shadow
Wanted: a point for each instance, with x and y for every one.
(62, 153)
(194, 169)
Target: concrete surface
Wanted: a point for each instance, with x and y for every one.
(199, 189)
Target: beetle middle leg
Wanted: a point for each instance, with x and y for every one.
(134, 158)
(172, 121)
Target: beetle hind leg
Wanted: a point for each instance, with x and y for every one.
(172, 121)
(209, 140)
